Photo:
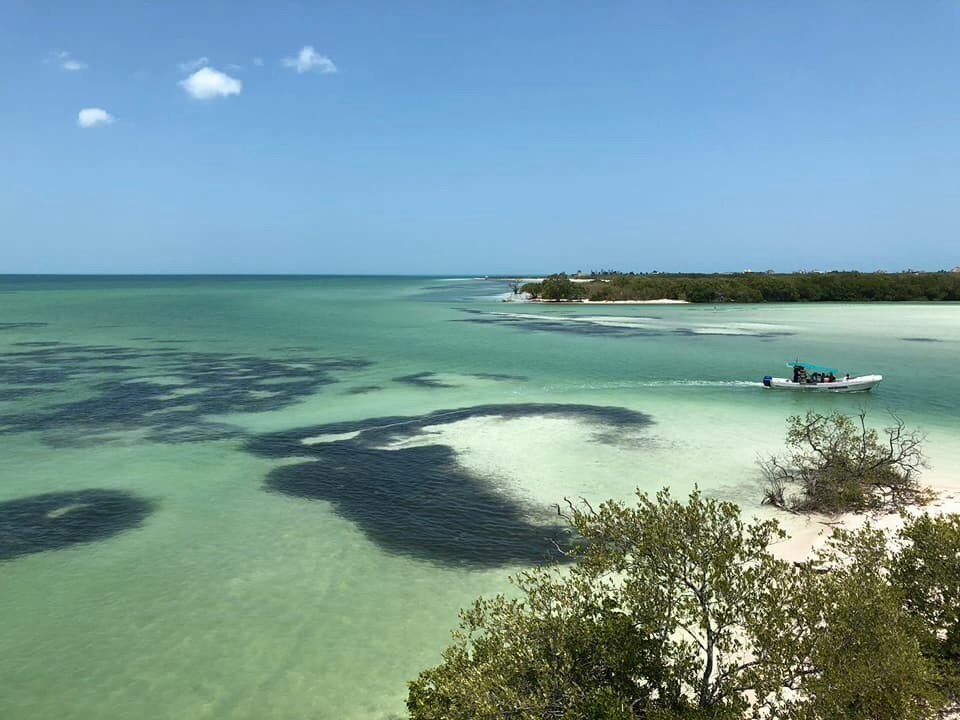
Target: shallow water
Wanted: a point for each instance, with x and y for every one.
(277, 492)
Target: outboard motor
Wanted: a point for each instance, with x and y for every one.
(767, 379)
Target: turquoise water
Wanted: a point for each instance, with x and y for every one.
(272, 495)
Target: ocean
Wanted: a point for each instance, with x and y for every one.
(268, 497)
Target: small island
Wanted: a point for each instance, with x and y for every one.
(748, 287)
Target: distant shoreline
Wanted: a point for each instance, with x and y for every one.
(587, 301)
(747, 287)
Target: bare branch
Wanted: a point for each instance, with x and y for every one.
(839, 463)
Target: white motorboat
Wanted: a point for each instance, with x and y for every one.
(813, 378)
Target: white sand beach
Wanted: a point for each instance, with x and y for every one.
(658, 301)
(807, 533)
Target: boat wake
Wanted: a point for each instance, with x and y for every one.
(701, 383)
(753, 384)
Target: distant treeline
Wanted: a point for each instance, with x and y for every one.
(754, 287)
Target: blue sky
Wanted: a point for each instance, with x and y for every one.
(479, 137)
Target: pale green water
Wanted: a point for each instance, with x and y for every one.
(323, 596)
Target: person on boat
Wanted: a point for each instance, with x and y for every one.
(831, 378)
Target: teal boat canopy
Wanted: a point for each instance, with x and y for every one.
(815, 368)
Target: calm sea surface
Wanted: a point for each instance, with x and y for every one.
(269, 497)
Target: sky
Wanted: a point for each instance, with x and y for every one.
(493, 137)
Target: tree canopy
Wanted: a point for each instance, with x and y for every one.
(681, 610)
(867, 661)
(557, 287)
(757, 287)
(926, 572)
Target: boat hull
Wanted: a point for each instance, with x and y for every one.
(856, 384)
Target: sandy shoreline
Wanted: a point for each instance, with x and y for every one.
(807, 533)
(659, 301)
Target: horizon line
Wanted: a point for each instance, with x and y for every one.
(467, 275)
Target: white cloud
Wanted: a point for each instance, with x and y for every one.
(191, 65)
(66, 61)
(309, 59)
(258, 61)
(94, 117)
(207, 83)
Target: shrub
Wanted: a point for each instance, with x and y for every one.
(837, 464)
(926, 571)
(555, 287)
(680, 611)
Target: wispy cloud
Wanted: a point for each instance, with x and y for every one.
(308, 60)
(208, 83)
(66, 61)
(189, 66)
(258, 61)
(94, 117)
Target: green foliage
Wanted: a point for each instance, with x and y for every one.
(837, 464)
(652, 621)
(564, 648)
(678, 611)
(926, 572)
(765, 287)
(711, 592)
(868, 659)
(556, 287)
(672, 611)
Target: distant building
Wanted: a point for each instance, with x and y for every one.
(956, 269)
